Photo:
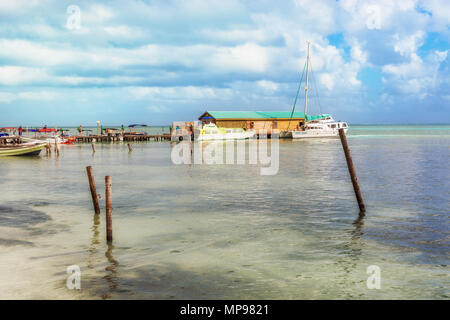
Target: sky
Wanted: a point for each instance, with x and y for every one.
(75, 62)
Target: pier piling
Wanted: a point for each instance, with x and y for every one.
(56, 147)
(351, 170)
(108, 202)
(93, 189)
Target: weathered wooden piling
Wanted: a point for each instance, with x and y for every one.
(108, 202)
(130, 149)
(48, 149)
(351, 170)
(56, 147)
(93, 148)
(93, 190)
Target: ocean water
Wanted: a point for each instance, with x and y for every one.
(227, 232)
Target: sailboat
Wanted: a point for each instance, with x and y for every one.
(322, 126)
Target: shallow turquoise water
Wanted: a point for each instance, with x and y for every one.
(225, 231)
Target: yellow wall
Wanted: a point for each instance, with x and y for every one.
(260, 124)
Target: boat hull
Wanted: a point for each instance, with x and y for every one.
(22, 151)
(316, 134)
(227, 136)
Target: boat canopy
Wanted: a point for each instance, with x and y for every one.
(137, 125)
(316, 117)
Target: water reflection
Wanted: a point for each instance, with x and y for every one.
(348, 264)
(359, 224)
(111, 277)
(94, 240)
(112, 264)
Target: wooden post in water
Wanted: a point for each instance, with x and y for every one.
(93, 189)
(56, 147)
(93, 148)
(108, 209)
(351, 170)
(130, 149)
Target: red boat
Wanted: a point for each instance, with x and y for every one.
(70, 140)
(47, 130)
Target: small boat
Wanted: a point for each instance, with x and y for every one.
(59, 139)
(136, 133)
(47, 130)
(27, 147)
(321, 126)
(211, 132)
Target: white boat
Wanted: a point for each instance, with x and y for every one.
(19, 146)
(323, 126)
(211, 132)
(51, 139)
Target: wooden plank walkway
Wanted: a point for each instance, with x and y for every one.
(127, 138)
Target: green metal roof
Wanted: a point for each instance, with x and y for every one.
(261, 115)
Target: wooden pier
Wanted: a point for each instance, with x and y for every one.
(118, 138)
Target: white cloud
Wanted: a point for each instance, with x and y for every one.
(41, 95)
(416, 76)
(268, 85)
(179, 93)
(358, 54)
(124, 32)
(242, 34)
(37, 95)
(157, 109)
(373, 14)
(327, 80)
(13, 75)
(7, 97)
(247, 57)
(18, 6)
(408, 44)
(97, 14)
(440, 10)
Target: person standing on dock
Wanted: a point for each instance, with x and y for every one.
(20, 130)
(123, 129)
(79, 130)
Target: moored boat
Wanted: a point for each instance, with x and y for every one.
(321, 126)
(212, 132)
(25, 147)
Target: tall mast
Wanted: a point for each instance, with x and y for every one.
(306, 85)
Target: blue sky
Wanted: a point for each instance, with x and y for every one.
(160, 61)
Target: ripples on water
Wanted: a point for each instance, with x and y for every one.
(221, 231)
